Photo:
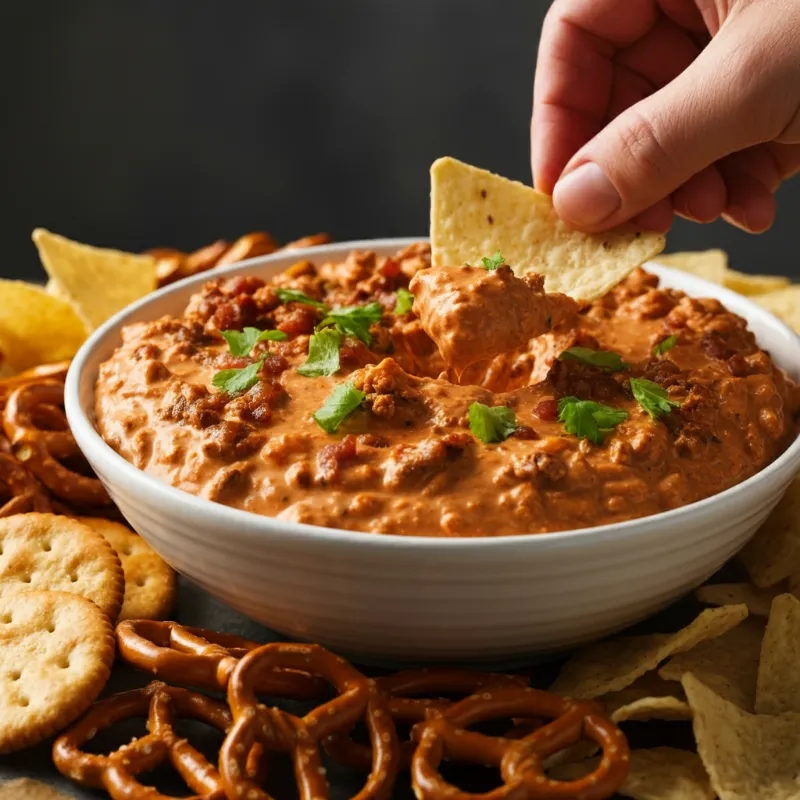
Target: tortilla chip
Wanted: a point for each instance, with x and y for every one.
(98, 282)
(663, 708)
(649, 697)
(754, 284)
(474, 213)
(747, 756)
(709, 264)
(662, 773)
(614, 664)
(784, 304)
(758, 601)
(53, 287)
(779, 671)
(35, 327)
(727, 664)
(773, 554)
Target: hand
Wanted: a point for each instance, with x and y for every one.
(639, 113)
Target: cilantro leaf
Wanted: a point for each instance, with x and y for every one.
(604, 359)
(652, 398)
(491, 423)
(665, 344)
(493, 262)
(236, 381)
(295, 296)
(587, 419)
(340, 403)
(323, 354)
(240, 343)
(405, 300)
(354, 320)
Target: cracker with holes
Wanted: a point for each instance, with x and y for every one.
(45, 551)
(56, 651)
(27, 789)
(150, 586)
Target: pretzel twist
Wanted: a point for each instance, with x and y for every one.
(404, 707)
(202, 658)
(117, 772)
(56, 371)
(21, 489)
(301, 736)
(520, 761)
(36, 425)
(173, 265)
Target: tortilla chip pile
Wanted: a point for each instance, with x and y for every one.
(774, 292)
(734, 672)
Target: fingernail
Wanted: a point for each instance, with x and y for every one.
(585, 196)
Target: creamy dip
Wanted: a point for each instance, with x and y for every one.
(406, 460)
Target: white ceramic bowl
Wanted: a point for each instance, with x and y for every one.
(394, 598)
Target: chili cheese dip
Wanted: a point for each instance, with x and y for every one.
(317, 397)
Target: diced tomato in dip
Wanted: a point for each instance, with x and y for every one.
(406, 459)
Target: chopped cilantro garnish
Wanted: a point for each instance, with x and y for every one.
(652, 398)
(665, 344)
(587, 419)
(323, 354)
(354, 320)
(493, 262)
(405, 300)
(240, 343)
(296, 296)
(491, 423)
(236, 381)
(341, 402)
(604, 359)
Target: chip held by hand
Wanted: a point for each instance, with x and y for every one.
(475, 213)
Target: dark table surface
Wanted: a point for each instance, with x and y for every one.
(197, 608)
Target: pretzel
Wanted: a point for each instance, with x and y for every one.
(173, 265)
(399, 690)
(41, 440)
(20, 487)
(314, 240)
(197, 657)
(117, 771)
(56, 371)
(301, 736)
(445, 736)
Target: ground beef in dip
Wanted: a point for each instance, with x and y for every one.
(406, 462)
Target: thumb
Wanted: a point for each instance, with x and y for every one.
(723, 102)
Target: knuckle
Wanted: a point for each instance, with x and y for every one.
(644, 147)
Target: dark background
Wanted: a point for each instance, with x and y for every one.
(137, 123)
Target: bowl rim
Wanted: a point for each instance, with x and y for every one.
(253, 526)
